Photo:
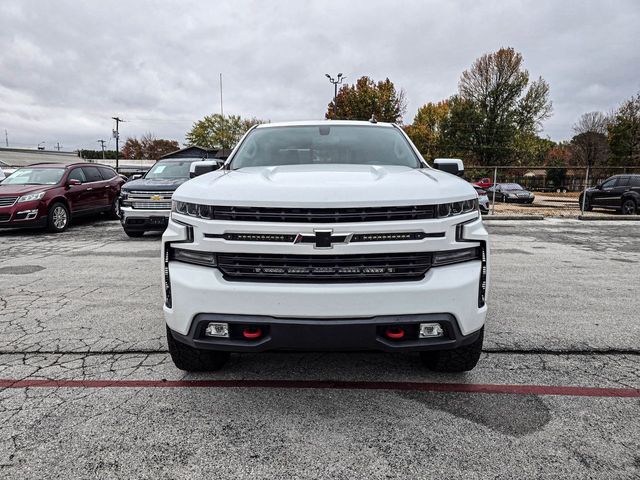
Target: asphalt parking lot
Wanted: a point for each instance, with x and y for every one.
(87, 389)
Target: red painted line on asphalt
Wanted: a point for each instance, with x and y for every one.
(331, 384)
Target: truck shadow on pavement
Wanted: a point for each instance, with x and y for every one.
(516, 415)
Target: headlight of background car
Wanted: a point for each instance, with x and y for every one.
(31, 197)
(192, 209)
(457, 208)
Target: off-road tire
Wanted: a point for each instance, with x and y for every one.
(461, 359)
(58, 218)
(629, 207)
(134, 233)
(192, 359)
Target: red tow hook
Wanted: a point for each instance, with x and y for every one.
(394, 333)
(251, 333)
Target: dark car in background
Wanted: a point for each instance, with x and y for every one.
(510, 192)
(483, 199)
(620, 192)
(48, 195)
(145, 203)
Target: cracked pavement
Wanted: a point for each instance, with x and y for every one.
(86, 305)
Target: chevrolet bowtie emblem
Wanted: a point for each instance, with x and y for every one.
(156, 197)
(323, 238)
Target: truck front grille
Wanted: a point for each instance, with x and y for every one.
(324, 215)
(324, 268)
(156, 205)
(143, 200)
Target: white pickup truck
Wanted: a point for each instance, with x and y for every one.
(330, 235)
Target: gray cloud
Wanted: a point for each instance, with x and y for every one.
(67, 67)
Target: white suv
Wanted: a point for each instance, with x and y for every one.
(332, 235)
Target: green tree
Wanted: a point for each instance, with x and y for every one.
(366, 98)
(148, 147)
(496, 108)
(216, 131)
(624, 133)
(96, 154)
(426, 130)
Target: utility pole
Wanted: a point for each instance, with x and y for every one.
(6, 137)
(58, 146)
(116, 135)
(336, 81)
(101, 142)
(222, 115)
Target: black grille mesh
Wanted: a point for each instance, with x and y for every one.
(324, 268)
(324, 215)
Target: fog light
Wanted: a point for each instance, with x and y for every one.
(217, 330)
(429, 330)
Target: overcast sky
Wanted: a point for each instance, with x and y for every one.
(67, 67)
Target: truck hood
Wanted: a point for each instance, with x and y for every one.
(154, 185)
(325, 186)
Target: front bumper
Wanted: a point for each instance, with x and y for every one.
(143, 219)
(200, 292)
(345, 334)
(24, 215)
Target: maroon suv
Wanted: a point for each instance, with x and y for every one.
(49, 194)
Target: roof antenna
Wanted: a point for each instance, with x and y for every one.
(373, 118)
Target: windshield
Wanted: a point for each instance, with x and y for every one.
(171, 169)
(325, 144)
(511, 186)
(34, 176)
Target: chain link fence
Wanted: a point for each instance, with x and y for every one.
(556, 190)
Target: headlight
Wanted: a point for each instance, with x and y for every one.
(124, 194)
(457, 208)
(193, 209)
(31, 197)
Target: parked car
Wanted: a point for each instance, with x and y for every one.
(485, 182)
(145, 201)
(620, 192)
(510, 192)
(483, 199)
(331, 235)
(49, 195)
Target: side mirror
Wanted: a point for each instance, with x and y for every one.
(449, 165)
(73, 181)
(135, 176)
(200, 168)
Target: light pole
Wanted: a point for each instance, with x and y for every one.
(336, 81)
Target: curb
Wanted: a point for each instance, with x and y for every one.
(617, 218)
(512, 217)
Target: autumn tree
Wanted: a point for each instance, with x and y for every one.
(624, 132)
(148, 147)
(366, 98)
(589, 144)
(218, 132)
(426, 130)
(496, 108)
